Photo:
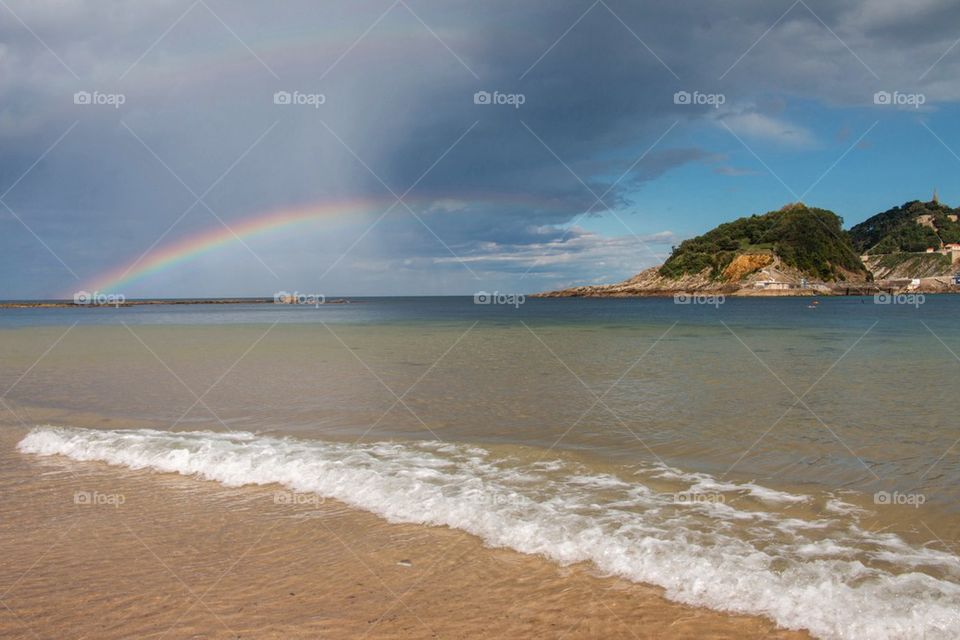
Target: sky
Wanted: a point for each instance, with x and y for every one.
(178, 148)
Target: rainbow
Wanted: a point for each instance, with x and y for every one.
(188, 248)
(185, 249)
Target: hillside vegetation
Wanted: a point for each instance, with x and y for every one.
(911, 227)
(808, 239)
(786, 252)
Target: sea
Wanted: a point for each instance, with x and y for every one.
(790, 458)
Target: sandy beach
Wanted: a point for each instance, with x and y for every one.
(163, 556)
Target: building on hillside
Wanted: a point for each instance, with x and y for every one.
(774, 285)
(951, 249)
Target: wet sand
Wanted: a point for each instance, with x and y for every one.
(165, 556)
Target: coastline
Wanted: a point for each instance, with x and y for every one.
(193, 557)
(670, 293)
(629, 289)
(586, 291)
(758, 276)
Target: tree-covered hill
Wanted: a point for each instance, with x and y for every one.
(809, 239)
(911, 227)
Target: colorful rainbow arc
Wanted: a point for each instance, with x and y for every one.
(176, 253)
(181, 251)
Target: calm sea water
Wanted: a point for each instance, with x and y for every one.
(767, 456)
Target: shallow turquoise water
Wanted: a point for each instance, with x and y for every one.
(715, 388)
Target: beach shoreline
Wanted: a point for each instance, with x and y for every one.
(668, 499)
(179, 557)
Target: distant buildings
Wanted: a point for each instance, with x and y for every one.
(951, 249)
(774, 285)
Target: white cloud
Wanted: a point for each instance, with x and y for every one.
(759, 126)
(579, 254)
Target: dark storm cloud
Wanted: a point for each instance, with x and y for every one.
(597, 81)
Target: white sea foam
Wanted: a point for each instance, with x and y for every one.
(836, 505)
(695, 551)
(705, 483)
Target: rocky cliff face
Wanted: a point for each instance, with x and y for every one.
(645, 283)
(910, 265)
(747, 275)
(745, 264)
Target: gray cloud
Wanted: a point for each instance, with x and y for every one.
(399, 98)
